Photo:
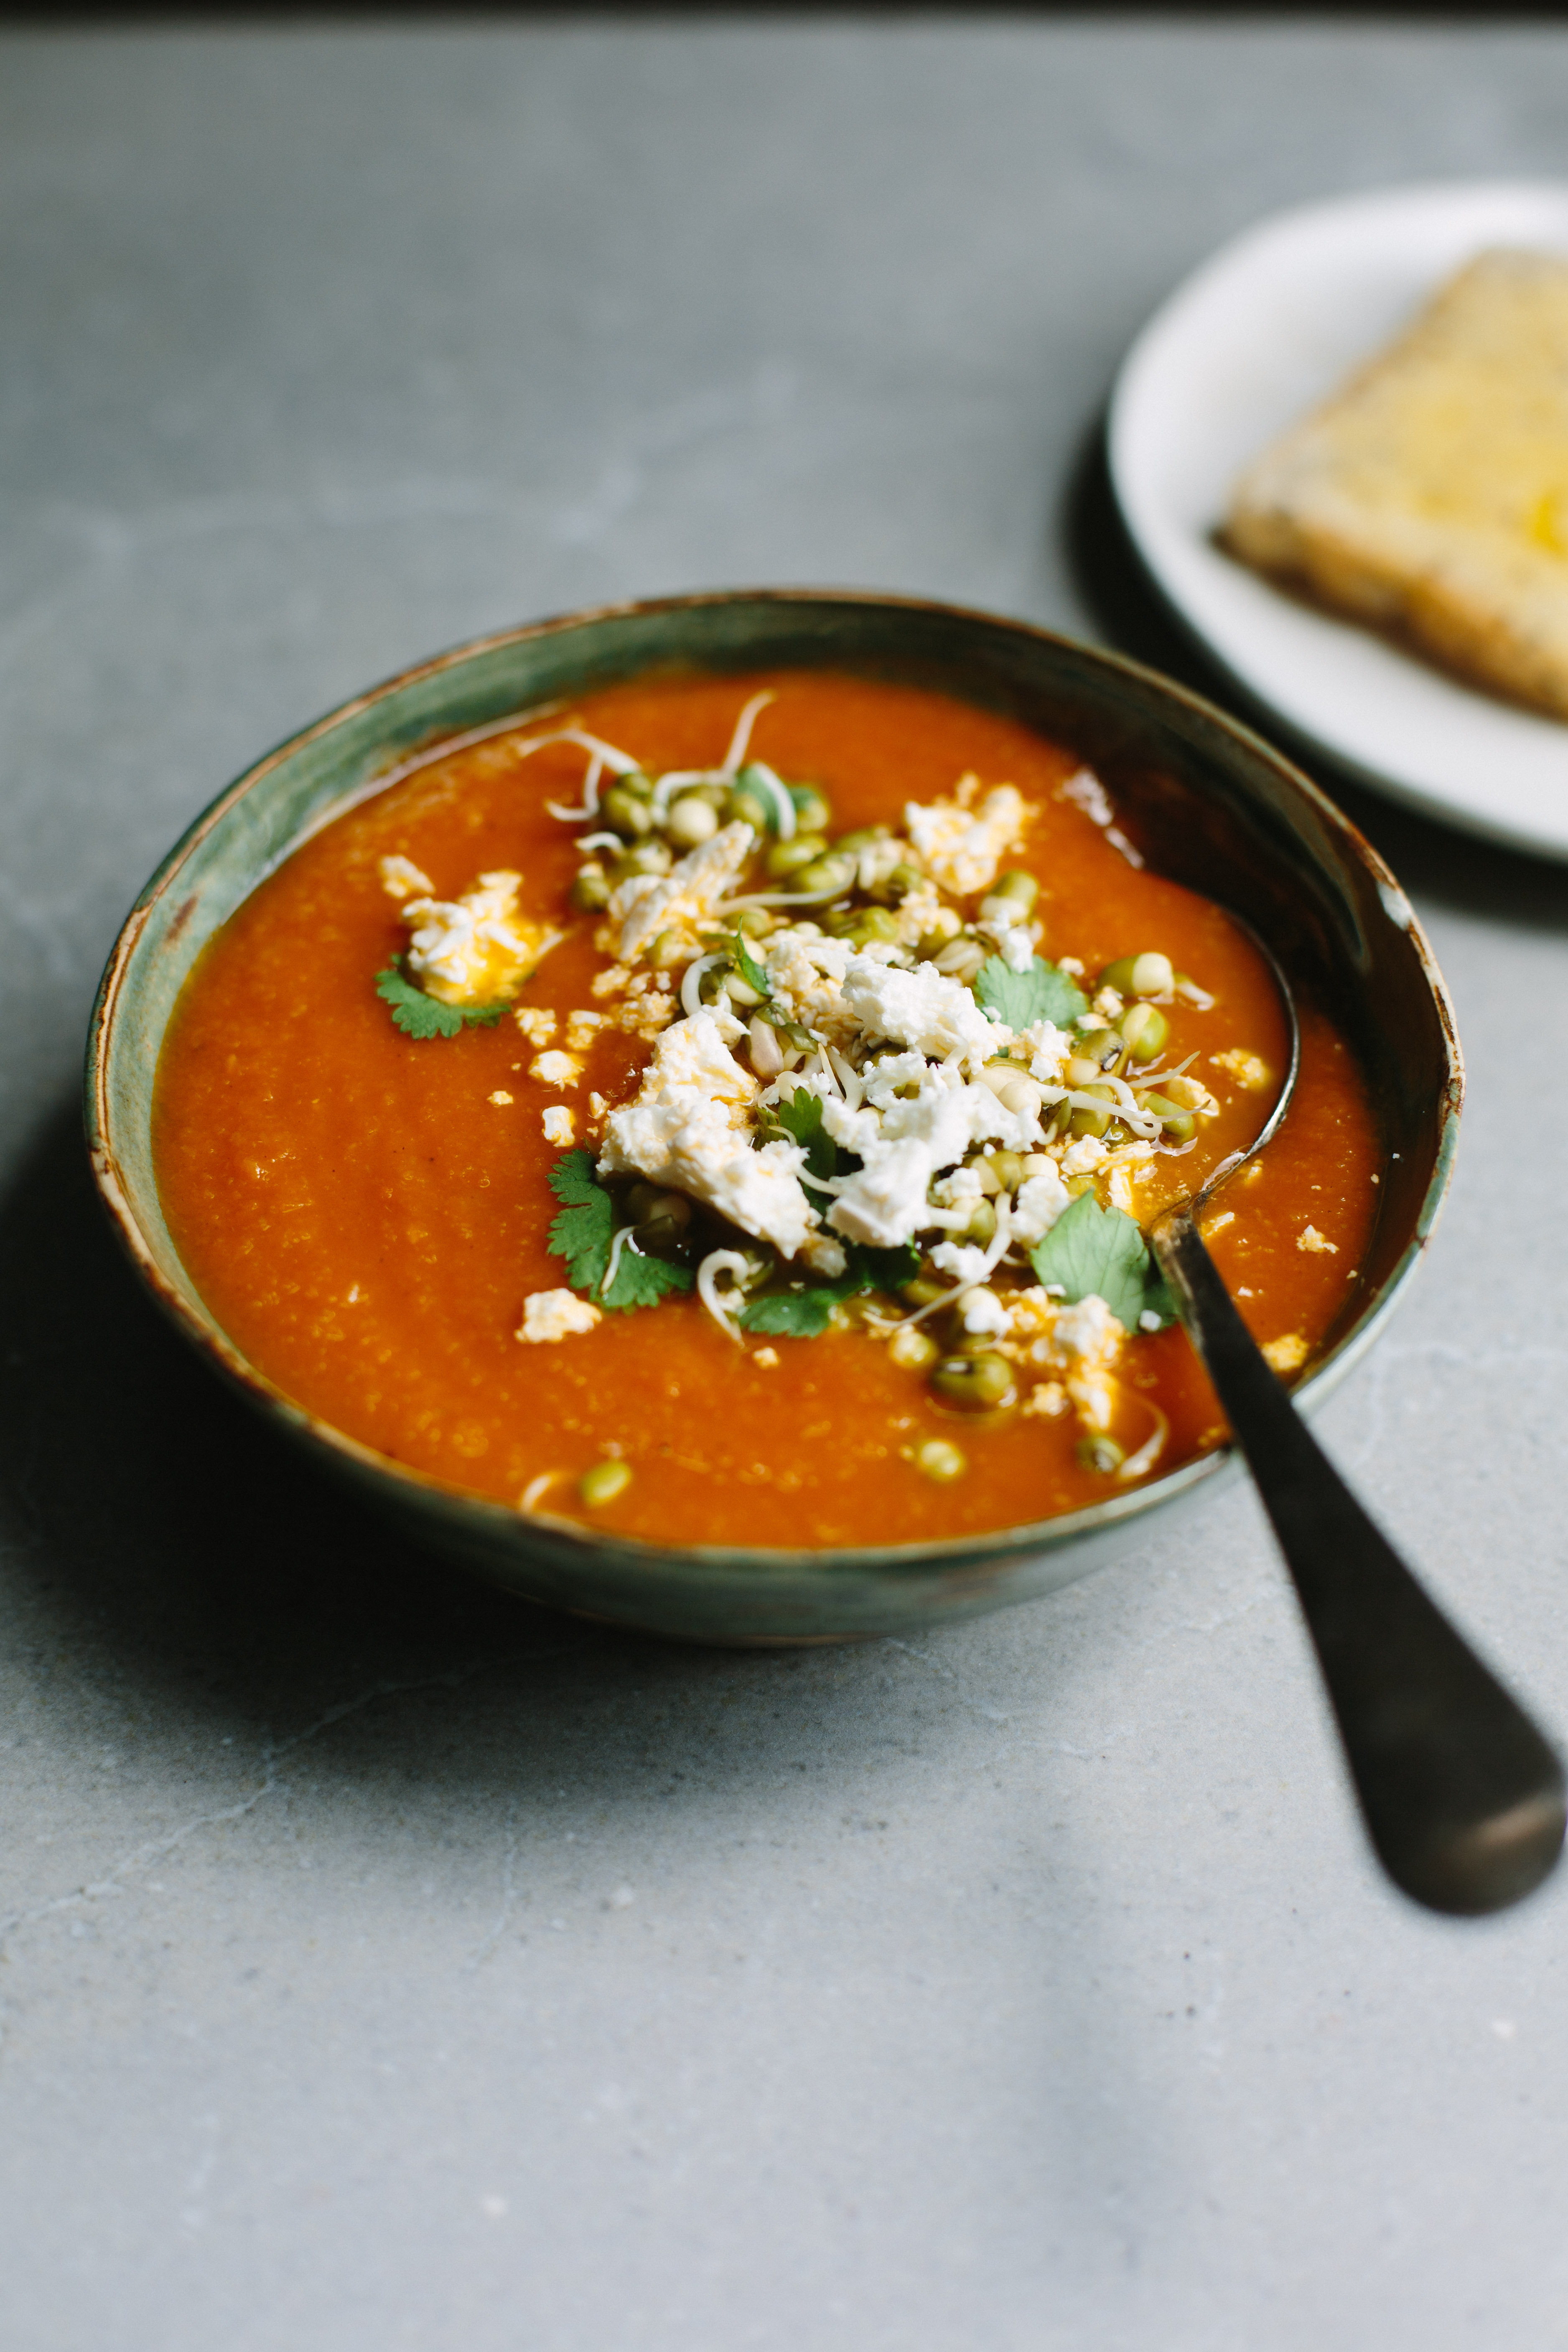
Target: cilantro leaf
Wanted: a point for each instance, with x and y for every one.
(1091, 1250)
(803, 1313)
(889, 1269)
(790, 1314)
(1022, 998)
(800, 1114)
(418, 1015)
(643, 1281)
(583, 1232)
(750, 970)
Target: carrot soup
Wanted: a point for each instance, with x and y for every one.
(727, 1110)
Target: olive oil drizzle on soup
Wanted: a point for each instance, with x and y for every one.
(723, 1157)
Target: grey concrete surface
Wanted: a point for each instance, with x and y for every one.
(384, 1965)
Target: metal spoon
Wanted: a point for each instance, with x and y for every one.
(1463, 1799)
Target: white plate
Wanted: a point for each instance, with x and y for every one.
(1257, 335)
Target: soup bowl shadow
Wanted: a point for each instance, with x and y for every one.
(1206, 802)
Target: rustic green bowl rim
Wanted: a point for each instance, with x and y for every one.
(694, 631)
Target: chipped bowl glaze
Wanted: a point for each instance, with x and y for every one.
(1209, 802)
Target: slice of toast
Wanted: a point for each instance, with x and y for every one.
(1429, 497)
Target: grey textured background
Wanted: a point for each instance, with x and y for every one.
(386, 1965)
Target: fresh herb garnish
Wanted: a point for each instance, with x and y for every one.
(585, 1227)
(1022, 998)
(800, 1116)
(804, 1310)
(1101, 1251)
(643, 1281)
(418, 1015)
(583, 1233)
(746, 964)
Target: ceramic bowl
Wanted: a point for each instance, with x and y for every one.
(1209, 802)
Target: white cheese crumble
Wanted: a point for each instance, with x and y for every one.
(924, 1009)
(961, 845)
(401, 878)
(558, 1125)
(555, 1068)
(688, 1127)
(500, 1097)
(1090, 1336)
(555, 1315)
(1040, 1200)
(1248, 1070)
(1287, 1354)
(1049, 1048)
(474, 948)
(582, 1029)
(537, 1023)
(1310, 1238)
(1082, 1157)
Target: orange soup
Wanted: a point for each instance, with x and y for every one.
(726, 1110)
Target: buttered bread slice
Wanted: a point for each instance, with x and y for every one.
(1430, 496)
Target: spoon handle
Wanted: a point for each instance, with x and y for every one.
(1462, 1797)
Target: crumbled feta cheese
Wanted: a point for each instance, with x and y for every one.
(1047, 1046)
(1082, 1157)
(536, 1023)
(474, 948)
(963, 1184)
(982, 1314)
(1133, 1161)
(962, 1260)
(647, 1017)
(1310, 1238)
(961, 845)
(884, 1202)
(555, 1068)
(1047, 1398)
(921, 1008)
(766, 1360)
(687, 1128)
(687, 896)
(610, 981)
(899, 1077)
(555, 1314)
(559, 1125)
(1090, 1336)
(1039, 1201)
(1287, 1354)
(500, 1097)
(1248, 1070)
(825, 1255)
(1014, 945)
(1109, 1003)
(582, 1029)
(401, 878)
(806, 972)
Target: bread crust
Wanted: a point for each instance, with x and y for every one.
(1428, 498)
